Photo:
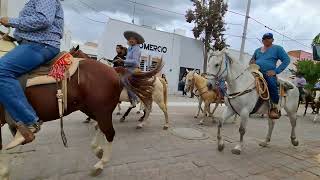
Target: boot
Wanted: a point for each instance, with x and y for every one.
(24, 135)
(274, 112)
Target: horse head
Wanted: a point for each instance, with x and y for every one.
(189, 84)
(217, 65)
(77, 53)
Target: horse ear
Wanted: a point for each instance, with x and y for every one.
(77, 48)
(187, 70)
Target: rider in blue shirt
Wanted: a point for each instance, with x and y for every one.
(267, 57)
(38, 30)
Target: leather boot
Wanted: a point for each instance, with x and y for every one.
(274, 112)
(24, 135)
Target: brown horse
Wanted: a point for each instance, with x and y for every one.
(96, 93)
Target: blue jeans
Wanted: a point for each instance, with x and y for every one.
(21, 60)
(273, 88)
(131, 94)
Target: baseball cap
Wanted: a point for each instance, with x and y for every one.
(267, 36)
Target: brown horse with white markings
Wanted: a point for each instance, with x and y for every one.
(95, 91)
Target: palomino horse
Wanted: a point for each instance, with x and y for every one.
(159, 95)
(242, 97)
(95, 91)
(194, 80)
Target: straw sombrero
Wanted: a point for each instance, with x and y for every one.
(129, 34)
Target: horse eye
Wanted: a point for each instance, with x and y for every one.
(217, 65)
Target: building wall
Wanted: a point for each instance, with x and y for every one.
(175, 50)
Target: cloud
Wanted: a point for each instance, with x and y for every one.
(296, 18)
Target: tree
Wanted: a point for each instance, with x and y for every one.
(310, 71)
(208, 17)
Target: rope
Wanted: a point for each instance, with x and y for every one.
(262, 89)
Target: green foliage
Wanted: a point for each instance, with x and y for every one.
(310, 70)
(207, 16)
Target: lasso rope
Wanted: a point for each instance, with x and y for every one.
(262, 89)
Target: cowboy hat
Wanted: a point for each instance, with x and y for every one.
(129, 34)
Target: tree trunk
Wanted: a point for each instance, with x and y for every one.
(205, 54)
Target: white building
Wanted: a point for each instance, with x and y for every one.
(178, 52)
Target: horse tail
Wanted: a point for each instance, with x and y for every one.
(165, 90)
(141, 83)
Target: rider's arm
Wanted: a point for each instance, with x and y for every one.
(134, 61)
(254, 57)
(284, 58)
(44, 15)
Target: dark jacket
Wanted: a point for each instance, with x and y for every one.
(117, 64)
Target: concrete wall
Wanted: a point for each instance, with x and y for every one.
(179, 51)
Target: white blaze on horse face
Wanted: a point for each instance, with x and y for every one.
(188, 82)
(317, 98)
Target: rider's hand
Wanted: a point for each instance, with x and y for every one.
(4, 21)
(252, 61)
(271, 73)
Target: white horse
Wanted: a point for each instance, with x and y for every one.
(317, 103)
(242, 97)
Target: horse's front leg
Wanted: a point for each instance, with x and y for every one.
(242, 130)
(96, 143)
(199, 108)
(226, 115)
(268, 138)
(214, 110)
(206, 112)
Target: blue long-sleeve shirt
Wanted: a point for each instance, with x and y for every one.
(40, 21)
(268, 60)
(133, 57)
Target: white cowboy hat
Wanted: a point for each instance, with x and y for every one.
(129, 34)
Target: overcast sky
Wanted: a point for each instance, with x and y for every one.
(299, 19)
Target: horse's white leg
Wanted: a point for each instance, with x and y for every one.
(293, 121)
(205, 113)
(268, 138)
(214, 109)
(226, 115)
(199, 107)
(96, 144)
(315, 118)
(119, 109)
(4, 167)
(242, 130)
(145, 120)
(164, 109)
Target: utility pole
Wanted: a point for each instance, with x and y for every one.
(134, 11)
(244, 35)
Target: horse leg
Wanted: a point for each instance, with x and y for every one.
(315, 118)
(268, 138)
(214, 110)
(119, 109)
(164, 109)
(306, 108)
(242, 130)
(96, 143)
(106, 127)
(140, 109)
(199, 108)
(226, 115)
(123, 118)
(142, 117)
(147, 110)
(293, 122)
(205, 113)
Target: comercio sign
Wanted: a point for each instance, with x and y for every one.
(156, 48)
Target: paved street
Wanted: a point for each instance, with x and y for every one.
(152, 153)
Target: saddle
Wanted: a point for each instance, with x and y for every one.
(261, 87)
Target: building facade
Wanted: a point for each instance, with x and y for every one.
(177, 52)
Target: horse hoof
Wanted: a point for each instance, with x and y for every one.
(122, 120)
(295, 142)
(220, 147)
(263, 144)
(118, 114)
(139, 127)
(86, 121)
(99, 154)
(236, 151)
(196, 117)
(96, 172)
(165, 127)
(140, 120)
(200, 123)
